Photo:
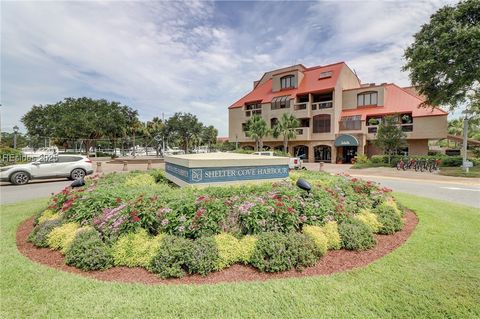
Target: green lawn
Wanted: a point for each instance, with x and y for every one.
(369, 165)
(436, 274)
(460, 172)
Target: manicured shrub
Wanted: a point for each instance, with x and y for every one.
(369, 219)
(356, 235)
(316, 234)
(228, 247)
(203, 257)
(330, 230)
(391, 202)
(136, 249)
(389, 218)
(88, 252)
(171, 259)
(46, 215)
(246, 247)
(159, 176)
(61, 237)
(39, 235)
(140, 180)
(276, 251)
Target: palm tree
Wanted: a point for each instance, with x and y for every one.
(455, 127)
(287, 127)
(257, 129)
(155, 128)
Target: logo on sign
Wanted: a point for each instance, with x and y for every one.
(197, 175)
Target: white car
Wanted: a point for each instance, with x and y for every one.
(48, 166)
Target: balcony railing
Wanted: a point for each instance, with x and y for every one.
(372, 129)
(322, 105)
(300, 106)
(355, 125)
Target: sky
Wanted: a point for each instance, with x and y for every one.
(195, 56)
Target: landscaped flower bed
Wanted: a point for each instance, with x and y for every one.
(140, 220)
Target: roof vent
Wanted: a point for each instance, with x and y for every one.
(326, 74)
(372, 84)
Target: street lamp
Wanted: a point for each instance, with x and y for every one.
(15, 131)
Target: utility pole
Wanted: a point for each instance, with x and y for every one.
(465, 142)
(163, 135)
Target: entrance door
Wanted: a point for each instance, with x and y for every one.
(349, 153)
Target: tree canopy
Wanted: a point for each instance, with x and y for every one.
(287, 128)
(257, 129)
(80, 118)
(390, 136)
(185, 127)
(444, 59)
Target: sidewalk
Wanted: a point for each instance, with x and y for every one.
(392, 173)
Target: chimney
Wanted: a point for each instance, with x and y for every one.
(255, 83)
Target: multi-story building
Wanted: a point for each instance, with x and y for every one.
(338, 115)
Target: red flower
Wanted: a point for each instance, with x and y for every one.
(279, 204)
(136, 218)
(118, 200)
(199, 213)
(133, 213)
(290, 210)
(354, 179)
(55, 199)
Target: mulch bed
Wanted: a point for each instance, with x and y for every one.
(334, 261)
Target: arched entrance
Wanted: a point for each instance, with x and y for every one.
(266, 148)
(279, 148)
(301, 151)
(323, 153)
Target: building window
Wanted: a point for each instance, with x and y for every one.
(273, 122)
(244, 127)
(367, 98)
(287, 82)
(351, 123)
(280, 102)
(252, 109)
(321, 123)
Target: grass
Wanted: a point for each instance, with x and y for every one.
(460, 172)
(436, 274)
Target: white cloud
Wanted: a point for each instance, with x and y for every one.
(176, 56)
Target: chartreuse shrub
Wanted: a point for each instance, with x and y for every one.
(39, 235)
(228, 247)
(47, 215)
(277, 251)
(316, 234)
(202, 258)
(369, 219)
(356, 235)
(136, 249)
(140, 180)
(389, 218)
(246, 247)
(61, 237)
(391, 203)
(330, 230)
(172, 258)
(88, 252)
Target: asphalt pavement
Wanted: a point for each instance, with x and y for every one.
(467, 193)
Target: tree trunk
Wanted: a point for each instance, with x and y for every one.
(285, 145)
(133, 152)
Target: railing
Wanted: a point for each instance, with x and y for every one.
(322, 105)
(355, 125)
(405, 128)
(300, 106)
(299, 131)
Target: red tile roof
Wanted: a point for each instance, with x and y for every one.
(397, 100)
(310, 83)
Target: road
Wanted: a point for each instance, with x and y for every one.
(453, 192)
(444, 190)
(35, 189)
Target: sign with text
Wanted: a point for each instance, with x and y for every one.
(225, 174)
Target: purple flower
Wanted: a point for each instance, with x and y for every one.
(165, 222)
(182, 218)
(303, 218)
(181, 228)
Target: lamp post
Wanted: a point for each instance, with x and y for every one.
(15, 131)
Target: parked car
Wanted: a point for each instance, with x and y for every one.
(69, 166)
(294, 163)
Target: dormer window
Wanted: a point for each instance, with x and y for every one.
(367, 98)
(325, 75)
(287, 82)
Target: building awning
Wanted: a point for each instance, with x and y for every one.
(346, 140)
